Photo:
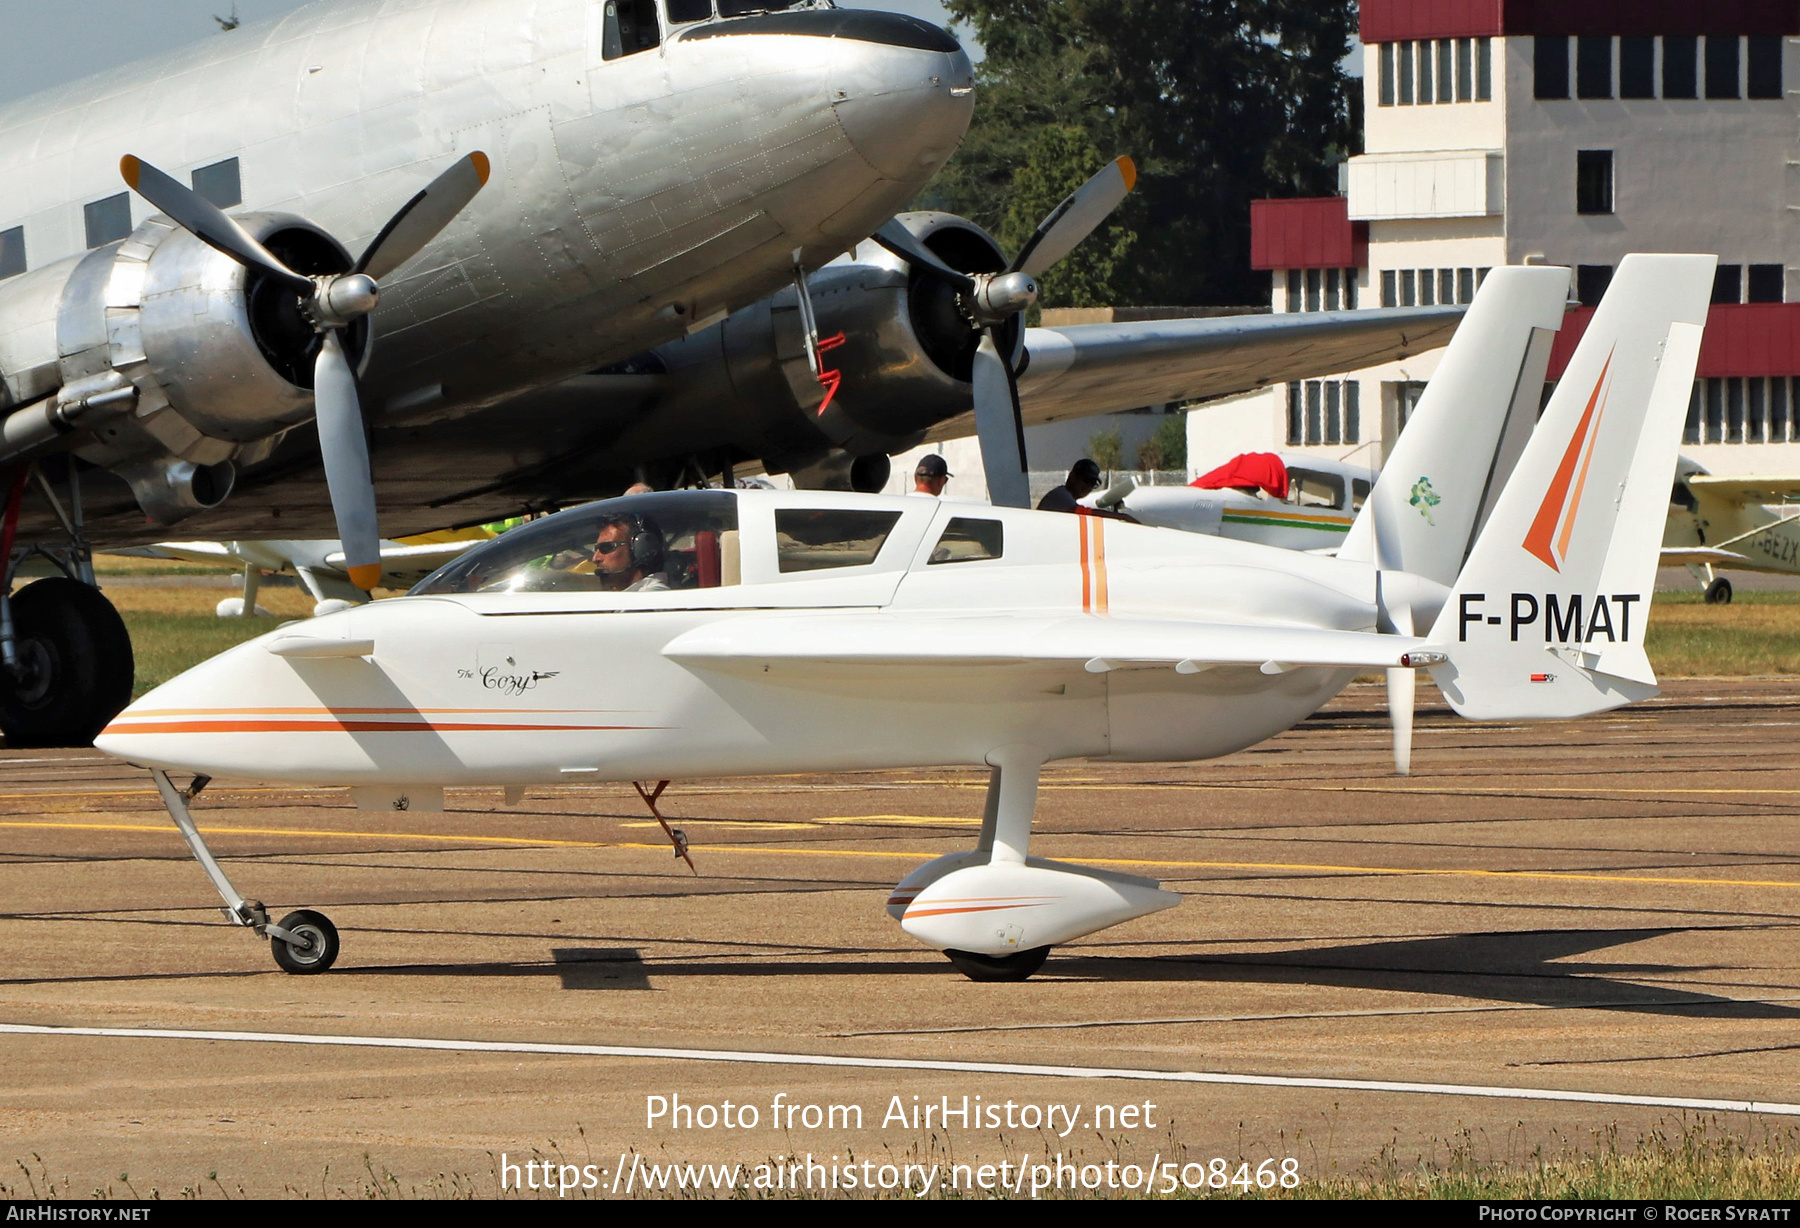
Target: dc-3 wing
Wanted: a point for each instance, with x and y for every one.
(835, 641)
(1745, 490)
(1084, 369)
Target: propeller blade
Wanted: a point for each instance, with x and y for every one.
(899, 240)
(424, 216)
(1402, 684)
(1000, 427)
(346, 455)
(206, 221)
(1076, 218)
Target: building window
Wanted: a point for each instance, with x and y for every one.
(1637, 66)
(1427, 94)
(108, 220)
(1313, 279)
(1446, 71)
(1465, 70)
(1765, 66)
(1737, 410)
(1334, 285)
(1465, 285)
(1349, 289)
(1594, 181)
(1484, 70)
(1591, 281)
(1409, 288)
(1728, 284)
(1593, 67)
(1390, 288)
(1427, 288)
(1681, 79)
(1779, 416)
(219, 184)
(12, 252)
(1294, 280)
(1327, 412)
(1406, 74)
(1550, 66)
(1754, 410)
(1722, 66)
(1387, 74)
(1767, 284)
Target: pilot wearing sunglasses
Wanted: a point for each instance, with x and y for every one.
(628, 557)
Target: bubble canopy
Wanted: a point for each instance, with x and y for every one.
(688, 538)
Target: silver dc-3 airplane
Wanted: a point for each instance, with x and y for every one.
(461, 259)
(718, 632)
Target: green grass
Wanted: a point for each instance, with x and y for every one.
(174, 629)
(1758, 633)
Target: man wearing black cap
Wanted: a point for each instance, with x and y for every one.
(1083, 479)
(931, 475)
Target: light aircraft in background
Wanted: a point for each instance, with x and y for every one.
(816, 632)
(318, 564)
(1271, 498)
(529, 254)
(1731, 523)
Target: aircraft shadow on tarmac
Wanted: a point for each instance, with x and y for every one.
(1514, 967)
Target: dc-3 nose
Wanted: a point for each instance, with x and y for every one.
(902, 88)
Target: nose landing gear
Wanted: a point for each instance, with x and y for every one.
(304, 943)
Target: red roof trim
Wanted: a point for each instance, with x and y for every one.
(1742, 339)
(1307, 233)
(1387, 21)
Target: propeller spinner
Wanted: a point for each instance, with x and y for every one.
(331, 302)
(990, 301)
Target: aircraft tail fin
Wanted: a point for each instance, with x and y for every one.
(1446, 470)
(1547, 618)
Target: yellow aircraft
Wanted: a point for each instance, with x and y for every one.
(1741, 523)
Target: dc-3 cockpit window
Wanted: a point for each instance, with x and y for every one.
(682, 12)
(1310, 488)
(682, 539)
(814, 539)
(967, 539)
(628, 27)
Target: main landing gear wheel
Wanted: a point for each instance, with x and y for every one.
(320, 935)
(1719, 592)
(998, 968)
(74, 665)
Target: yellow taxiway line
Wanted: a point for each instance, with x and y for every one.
(916, 854)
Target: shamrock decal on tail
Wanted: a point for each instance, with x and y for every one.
(1424, 498)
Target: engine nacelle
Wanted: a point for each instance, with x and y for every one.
(170, 363)
(901, 367)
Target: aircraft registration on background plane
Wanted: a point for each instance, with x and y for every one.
(468, 259)
(815, 632)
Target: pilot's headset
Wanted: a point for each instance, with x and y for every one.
(645, 542)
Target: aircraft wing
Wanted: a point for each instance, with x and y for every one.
(188, 552)
(1080, 370)
(1746, 490)
(400, 562)
(1682, 556)
(835, 641)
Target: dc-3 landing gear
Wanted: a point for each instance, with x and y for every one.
(996, 912)
(305, 942)
(65, 656)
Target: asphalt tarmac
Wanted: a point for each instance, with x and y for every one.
(1547, 931)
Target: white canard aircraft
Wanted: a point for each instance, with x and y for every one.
(807, 632)
(571, 217)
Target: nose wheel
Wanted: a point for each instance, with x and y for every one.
(310, 945)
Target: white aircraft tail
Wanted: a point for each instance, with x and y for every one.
(1446, 471)
(1547, 618)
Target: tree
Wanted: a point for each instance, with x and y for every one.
(1058, 160)
(1219, 102)
(1167, 449)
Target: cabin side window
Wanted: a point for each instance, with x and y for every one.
(629, 27)
(1310, 488)
(967, 539)
(809, 539)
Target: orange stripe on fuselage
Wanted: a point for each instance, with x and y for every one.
(1100, 596)
(1087, 582)
(140, 713)
(340, 726)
